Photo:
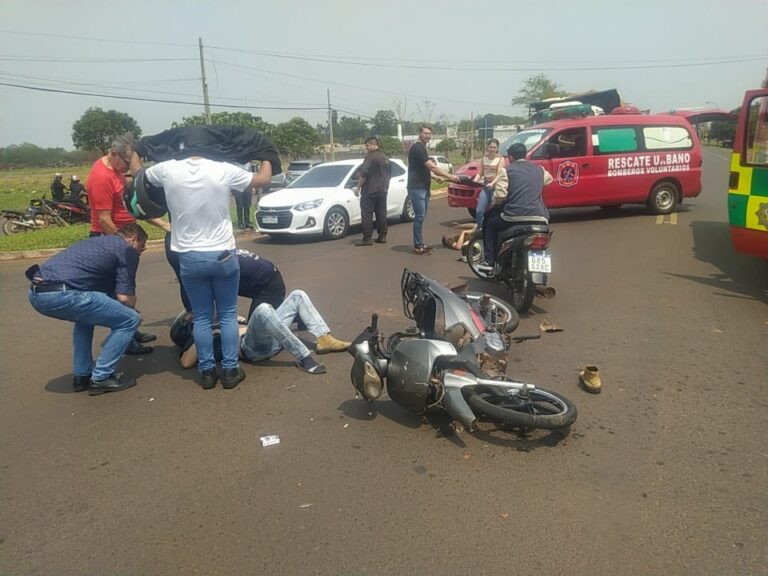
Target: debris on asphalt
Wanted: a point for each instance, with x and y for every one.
(306, 505)
(270, 440)
(346, 425)
(152, 399)
(547, 326)
(505, 515)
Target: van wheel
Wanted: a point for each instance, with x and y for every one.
(663, 198)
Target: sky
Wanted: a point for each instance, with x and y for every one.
(430, 60)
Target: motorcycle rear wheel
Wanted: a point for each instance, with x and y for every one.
(10, 227)
(500, 314)
(538, 409)
(521, 287)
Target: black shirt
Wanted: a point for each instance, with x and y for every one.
(376, 171)
(57, 189)
(419, 175)
(255, 273)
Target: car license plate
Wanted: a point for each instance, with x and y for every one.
(269, 219)
(539, 262)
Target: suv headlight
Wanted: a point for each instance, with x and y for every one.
(310, 205)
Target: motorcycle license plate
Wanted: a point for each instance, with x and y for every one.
(270, 219)
(539, 262)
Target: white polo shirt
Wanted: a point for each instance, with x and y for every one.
(197, 191)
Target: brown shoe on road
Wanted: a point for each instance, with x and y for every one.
(327, 343)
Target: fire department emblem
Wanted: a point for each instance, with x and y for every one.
(762, 215)
(568, 174)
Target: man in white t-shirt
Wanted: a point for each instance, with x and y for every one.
(197, 192)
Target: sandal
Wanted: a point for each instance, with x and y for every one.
(422, 250)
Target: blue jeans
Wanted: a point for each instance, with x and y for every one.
(269, 329)
(420, 202)
(483, 200)
(86, 310)
(208, 281)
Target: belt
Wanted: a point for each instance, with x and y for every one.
(59, 287)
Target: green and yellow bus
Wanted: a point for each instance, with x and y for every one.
(748, 182)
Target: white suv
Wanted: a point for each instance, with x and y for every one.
(442, 162)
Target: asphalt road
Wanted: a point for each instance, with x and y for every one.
(665, 472)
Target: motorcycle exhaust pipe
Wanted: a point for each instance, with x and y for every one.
(458, 409)
(545, 291)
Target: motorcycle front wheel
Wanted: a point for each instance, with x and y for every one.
(535, 409)
(475, 254)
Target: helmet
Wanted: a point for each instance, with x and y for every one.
(181, 331)
(142, 199)
(75, 177)
(57, 175)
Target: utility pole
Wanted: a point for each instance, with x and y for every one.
(330, 124)
(206, 103)
(471, 135)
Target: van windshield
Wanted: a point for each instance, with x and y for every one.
(529, 137)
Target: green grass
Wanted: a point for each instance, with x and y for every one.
(58, 237)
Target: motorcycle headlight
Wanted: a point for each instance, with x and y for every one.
(309, 205)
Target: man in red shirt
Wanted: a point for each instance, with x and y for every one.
(105, 198)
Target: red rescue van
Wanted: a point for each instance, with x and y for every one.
(607, 161)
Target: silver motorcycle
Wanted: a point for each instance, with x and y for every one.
(437, 364)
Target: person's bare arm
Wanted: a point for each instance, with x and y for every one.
(160, 223)
(437, 171)
(547, 177)
(188, 358)
(105, 221)
(264, 176)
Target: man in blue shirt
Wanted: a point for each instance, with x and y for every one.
(93, 283)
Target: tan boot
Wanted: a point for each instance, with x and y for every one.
(590, 379)
(327, 343)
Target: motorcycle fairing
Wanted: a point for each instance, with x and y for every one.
(410, 369)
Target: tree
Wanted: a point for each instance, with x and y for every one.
(446, 145)
(537, 87)
(350, 130)
(97, 129)
(228, 118)
(295, 138)
(390, 146)
(384, 123)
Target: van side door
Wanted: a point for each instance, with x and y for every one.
(566, 155)
(619, 158)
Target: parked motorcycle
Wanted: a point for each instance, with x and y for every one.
(436, 365)
(70, 212)
(38, 215)
(522, 262)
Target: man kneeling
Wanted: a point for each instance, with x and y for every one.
(269, 331)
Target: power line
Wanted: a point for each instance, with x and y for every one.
(138, 99)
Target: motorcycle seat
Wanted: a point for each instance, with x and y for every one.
(523, 229)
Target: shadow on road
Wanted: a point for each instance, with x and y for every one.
(740, 274)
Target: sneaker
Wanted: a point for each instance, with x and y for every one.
(144, 337)
(364, 242)
(136, 349)
(113, 383)
(422, 250)
(80, 383)
(231, 377)
(486, 268)
(327, 343)
(311, 365)
(208, 379)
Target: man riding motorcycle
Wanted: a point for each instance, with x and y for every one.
(524, 203)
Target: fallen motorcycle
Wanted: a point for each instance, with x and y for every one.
(437, 365)
(38, 215)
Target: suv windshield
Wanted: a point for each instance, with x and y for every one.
(322, 177)
(529, 137)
